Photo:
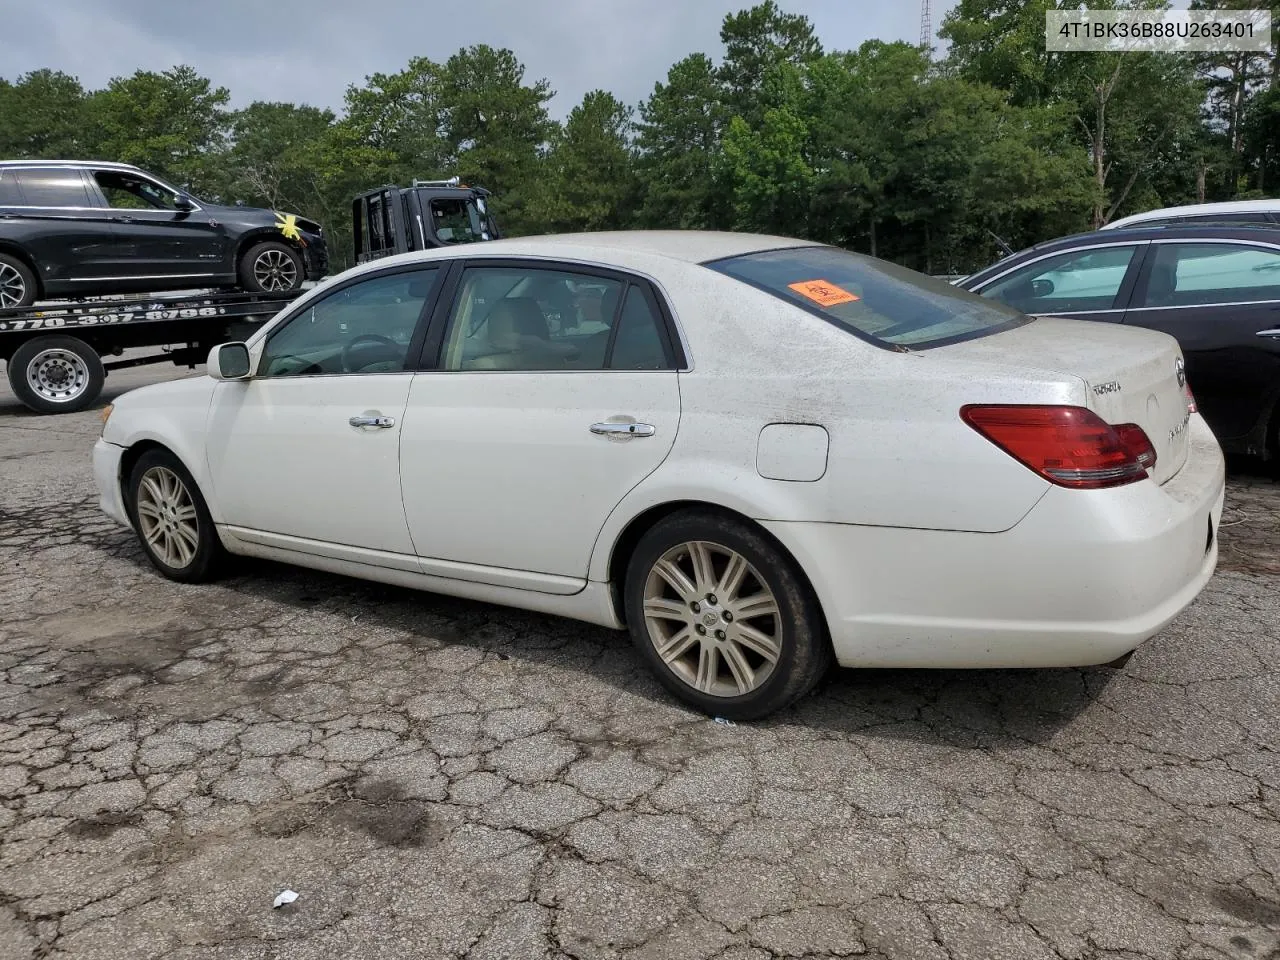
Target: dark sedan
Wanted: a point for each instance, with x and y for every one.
(1214, 288)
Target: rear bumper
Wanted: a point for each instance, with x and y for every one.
(106, 474)
(1084, 578)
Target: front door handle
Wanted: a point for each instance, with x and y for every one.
(624, 429)
(1273, 333)
(372, 422)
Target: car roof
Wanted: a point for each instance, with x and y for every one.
(1197, 209)
(1190, 231)
(70, 163)
(1196, 231)
(625, 249)
(690, 246)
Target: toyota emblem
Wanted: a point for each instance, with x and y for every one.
(1180, 371)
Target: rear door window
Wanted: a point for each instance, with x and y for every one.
(874, 299)
(52, 187)
(1193, 274)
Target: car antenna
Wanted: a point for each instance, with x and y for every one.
(1004, 247)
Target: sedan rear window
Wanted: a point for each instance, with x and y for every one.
(879, 301)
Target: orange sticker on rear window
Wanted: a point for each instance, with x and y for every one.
(821, 292)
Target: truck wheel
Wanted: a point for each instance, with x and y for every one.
(17, 283)
(271, 267)
(56, 374)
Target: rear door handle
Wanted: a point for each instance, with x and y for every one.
(1273, 333)
(624, 429)
(372, 422)
(123, 219)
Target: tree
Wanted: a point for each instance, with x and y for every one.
(172, 123)
(1136, 113)
(591, 168)
(42, 116)
(275, 156)
(756, 41)
(1234, 80)
(770, 176)
(497, 128)
(677, 138)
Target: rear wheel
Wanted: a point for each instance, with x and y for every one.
(172, 520)
(17, 283)
(724, 617)
(271, 267)
(56, 374)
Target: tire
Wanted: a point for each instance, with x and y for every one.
(18, 286)
(171, 519)
(794, 632)
(56, 374)
(272, 267)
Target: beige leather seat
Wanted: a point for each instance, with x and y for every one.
(519, 339)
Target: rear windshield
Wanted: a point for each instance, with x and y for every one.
(879, 301)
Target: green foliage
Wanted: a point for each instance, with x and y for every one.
(678, 138)
(173, 123)
(590, 180)
(877, 148)
(42, 114)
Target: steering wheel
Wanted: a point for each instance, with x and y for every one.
(366, 338)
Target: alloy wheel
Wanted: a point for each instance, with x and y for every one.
(168, 518)
(275, 270)
(712, 619)
(13, 289)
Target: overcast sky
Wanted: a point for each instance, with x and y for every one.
(308, 51)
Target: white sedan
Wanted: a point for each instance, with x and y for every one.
(756, 454)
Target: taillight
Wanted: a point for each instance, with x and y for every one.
(1191, 398)
(1137, 442)
(1069, 446)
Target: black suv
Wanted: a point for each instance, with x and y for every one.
(83, 228)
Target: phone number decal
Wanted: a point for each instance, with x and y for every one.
(106, 319)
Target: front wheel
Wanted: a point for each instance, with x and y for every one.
(271, 267)
(723, 616)
(56, 374)
(172, 520)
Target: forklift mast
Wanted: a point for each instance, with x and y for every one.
(431, 213)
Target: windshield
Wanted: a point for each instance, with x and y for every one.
(877, 300)
(460, 221)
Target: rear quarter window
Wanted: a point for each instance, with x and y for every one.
(881, 302)
(52, 187)
(10, 195)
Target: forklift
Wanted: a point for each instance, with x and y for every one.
(431, 213)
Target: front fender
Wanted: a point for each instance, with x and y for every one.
(179, 425)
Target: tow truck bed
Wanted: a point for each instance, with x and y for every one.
(54, 351)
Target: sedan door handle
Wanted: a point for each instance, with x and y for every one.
(372, 422)
(1273, 333)
(123, 219)
(624, 429)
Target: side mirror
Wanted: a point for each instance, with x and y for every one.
(228, 361)
(183, 202)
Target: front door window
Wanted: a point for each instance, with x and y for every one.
(363, 328)
(1074, 282)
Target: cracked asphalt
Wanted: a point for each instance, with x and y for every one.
(438, 778)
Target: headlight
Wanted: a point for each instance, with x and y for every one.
(106, 415)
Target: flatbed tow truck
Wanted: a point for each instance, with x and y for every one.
(58, 354)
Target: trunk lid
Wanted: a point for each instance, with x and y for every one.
(1131, 375)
